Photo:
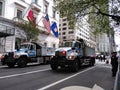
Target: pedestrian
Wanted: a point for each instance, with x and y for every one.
(107, 59)
(101, 58)
(114, 63)
(104, 57)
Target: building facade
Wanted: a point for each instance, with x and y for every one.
(82, 30)
(103, 44)
(12, 11)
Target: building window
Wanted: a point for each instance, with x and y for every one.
(53, 45)
(64, 24)
(64, 28)
(45, 44)
(65, 19)
(46, 9)
(64, 37)
(19, 14)
(19, 10)
(70, 32)
(54, 13)
(46, 6)
(1, 6)
(34, 1)
(63, 33)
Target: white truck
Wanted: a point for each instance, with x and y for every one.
(29, 52)
(73, 55)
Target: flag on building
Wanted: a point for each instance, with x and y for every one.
(46, 22)
(54, 29)
(31, 17)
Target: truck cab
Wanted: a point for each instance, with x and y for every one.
(27, 52)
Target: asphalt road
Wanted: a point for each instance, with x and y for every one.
(41, 77)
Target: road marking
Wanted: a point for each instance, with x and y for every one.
(95, 87)
(62, 80)
(2, 66)
(14, 75)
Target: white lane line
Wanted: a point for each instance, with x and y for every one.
(2, 66)
(14, 75)
(62, 80)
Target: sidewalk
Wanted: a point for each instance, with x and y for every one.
(111, 79)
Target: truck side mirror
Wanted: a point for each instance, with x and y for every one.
(73, 48)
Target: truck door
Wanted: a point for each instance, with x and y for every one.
(32, 51)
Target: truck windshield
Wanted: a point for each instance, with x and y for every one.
(66, 44)
(23, 46)
(71, 44)
(75, 44)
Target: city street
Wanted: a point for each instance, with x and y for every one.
(41, 77)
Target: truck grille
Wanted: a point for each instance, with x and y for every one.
(60, 53)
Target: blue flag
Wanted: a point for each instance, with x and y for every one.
(54, 29)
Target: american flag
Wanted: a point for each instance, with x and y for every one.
(46, 22)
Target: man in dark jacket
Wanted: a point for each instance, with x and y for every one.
(114, 63)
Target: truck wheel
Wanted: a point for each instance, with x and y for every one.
(10, 65)
(54, 67)
(75, 66)
(22, 62)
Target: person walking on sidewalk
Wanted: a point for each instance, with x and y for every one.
(114, 63)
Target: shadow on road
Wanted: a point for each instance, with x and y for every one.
(68, 70)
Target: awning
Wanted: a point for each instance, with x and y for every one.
(6, 31)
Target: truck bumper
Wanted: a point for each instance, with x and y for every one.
(61, 61)
(8, 60)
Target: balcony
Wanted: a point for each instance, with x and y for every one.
(18, 20)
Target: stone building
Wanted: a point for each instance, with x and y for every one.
(12, 11)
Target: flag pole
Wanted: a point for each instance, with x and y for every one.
(39, 20)
(26, 11)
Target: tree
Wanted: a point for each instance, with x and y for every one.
(30, 30)
(98, 11)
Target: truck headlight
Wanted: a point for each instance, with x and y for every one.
(51, 57)
(71, 57)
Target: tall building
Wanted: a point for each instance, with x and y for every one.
(82, 30)
(103, 44)
(12, 11)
